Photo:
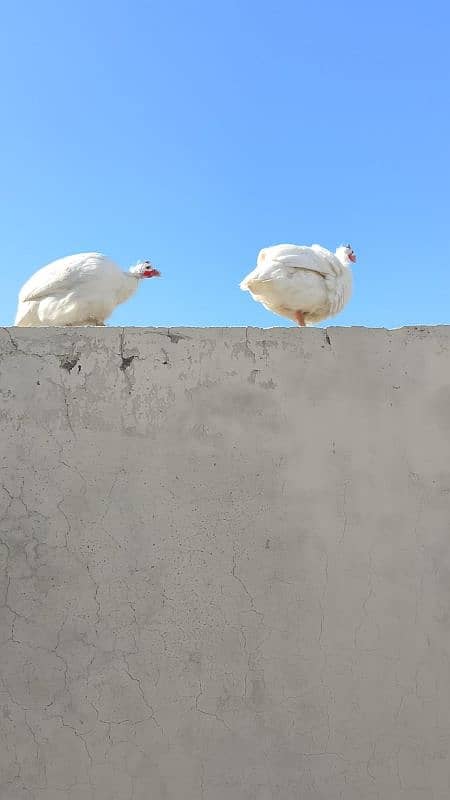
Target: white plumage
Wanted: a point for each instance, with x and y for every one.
(305, 284)
(82, 289)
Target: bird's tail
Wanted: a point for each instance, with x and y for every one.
(251, 283)
(26, 315)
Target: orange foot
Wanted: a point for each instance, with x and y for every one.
(300, 317)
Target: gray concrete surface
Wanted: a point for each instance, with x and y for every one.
(225, 564)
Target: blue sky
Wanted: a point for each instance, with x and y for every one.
(195, 133)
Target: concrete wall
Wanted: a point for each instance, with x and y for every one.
(225, 564)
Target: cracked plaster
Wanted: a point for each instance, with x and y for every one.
(224, 564)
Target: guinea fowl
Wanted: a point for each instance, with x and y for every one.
(83, 289)
(305, 284)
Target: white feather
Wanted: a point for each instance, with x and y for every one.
(77, 290)
(289, 278)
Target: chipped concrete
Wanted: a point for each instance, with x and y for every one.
(224, 564)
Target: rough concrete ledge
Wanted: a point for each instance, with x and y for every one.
(224, 564)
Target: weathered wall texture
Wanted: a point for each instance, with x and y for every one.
(225, 564)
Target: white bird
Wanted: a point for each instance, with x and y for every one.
(83, 289)
(305, 284)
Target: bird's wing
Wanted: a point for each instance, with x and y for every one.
(334, 265)
(60, 276)
(293, 257)
(336, 295)
(335, 285)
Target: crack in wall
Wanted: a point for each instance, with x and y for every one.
(278, 662)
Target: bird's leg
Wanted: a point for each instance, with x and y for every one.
(300, 317)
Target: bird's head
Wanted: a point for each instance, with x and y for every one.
(345, 253)
(144, 269)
